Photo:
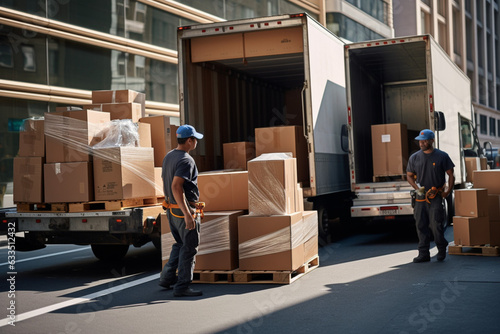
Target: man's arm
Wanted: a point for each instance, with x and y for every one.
(180, 199)
(451, 182)
(410, 177)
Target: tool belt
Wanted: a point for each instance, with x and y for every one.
(197, 206)
(426, 197)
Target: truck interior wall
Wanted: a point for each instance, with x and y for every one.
(227, 105)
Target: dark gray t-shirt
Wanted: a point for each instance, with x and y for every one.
(430, 168)
(180, 163)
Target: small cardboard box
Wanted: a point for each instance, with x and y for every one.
(160, 136)
(272, 185)
(474, 163)
(32, 138)
(144, 131)
(120, 96)
(471, 202)
(68, 182)
(489, 179)
(218, 248)
(270, 242)
(123, 173)
(285, 139)
(494, 206)
(389, 149)
(471, 231)
(122, 110)
(28, 180)
(236, 155)
(68, 134)
(224, 191)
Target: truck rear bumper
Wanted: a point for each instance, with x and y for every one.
(382, 210)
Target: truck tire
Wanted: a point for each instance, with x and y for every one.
(109, 252)
(325, 230)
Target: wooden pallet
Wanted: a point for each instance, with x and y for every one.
(42, 207)
(113, 205)
(275, 277)
(474, 250)
(213, 276)
(388, 178)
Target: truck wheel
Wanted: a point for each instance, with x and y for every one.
(325, 229)
(109, 252)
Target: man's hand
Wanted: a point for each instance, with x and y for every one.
(190, 222)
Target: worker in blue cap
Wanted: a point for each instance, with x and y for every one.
(426, 172)
(180, 185)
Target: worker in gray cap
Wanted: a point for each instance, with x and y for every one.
(426, 172)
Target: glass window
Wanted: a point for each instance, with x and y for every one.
(493, 127)
(344, 27)
(483, 125)
(498, 126)
(425, 22)
(27, 6)
(469, 34)
(22, 55)
(441, 4)
(457, 32)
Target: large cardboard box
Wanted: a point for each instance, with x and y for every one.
(494, 206)
(32, 138)
(144, 131)
(311, 244)
(160, 136)
(471, 231)
(122, 110)
(272, 185)
(28, 180)
(270, 242)
(472, 164)
(123, 172)
(68, 134)
(471, 202)
(224, 191)
(389, 149)
(489, 179)
(285, 139)
(218, 248)
(274, 42)
(68, 182)
(237, 155)
(158, 182)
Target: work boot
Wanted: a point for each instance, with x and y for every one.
(422, 257)
(441, 255)
(188, 293)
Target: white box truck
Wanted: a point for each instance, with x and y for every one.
(239, 75)
(409, 81)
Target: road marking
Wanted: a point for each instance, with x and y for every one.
(48, 255)
(75, 301)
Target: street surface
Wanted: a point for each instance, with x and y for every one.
(365, 283)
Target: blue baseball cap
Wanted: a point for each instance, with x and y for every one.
(186, 131)
(425, 135)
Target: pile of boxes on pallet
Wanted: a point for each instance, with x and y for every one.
(477, 211)
(103, 151)
(276, 233)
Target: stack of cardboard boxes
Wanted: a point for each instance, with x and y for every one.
(477, 220)
(254, 216)
(62, 159)
(389, 149)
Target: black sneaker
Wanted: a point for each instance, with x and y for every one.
(422, 258)
(188, 293)
(441, 255)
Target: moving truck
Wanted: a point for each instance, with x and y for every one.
(237, 76)
(408, 84)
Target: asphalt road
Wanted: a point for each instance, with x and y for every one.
(365, 283)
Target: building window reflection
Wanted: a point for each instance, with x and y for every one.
(29, 58)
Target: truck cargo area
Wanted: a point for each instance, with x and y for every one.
(388, 84)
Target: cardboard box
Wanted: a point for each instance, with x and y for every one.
(285, 139)
(494, 206)
(471, 231)
(270, 242)
(123, 110)
(173, 136)
(273, 42)
(494, 232)
(221, 47)
(471, 202)
(489, 179)
(218, 248)
(160, 136)
(144, 130)
(236, 155)
(389, 149)
(68, 182)
(272, 185)
(224, 191)
(32, 138)
(123, 172)
(68, 134)
(114, 96)
(311, 244)
(472, 164)
(28, 180)
(158, 183)
(299, 199)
